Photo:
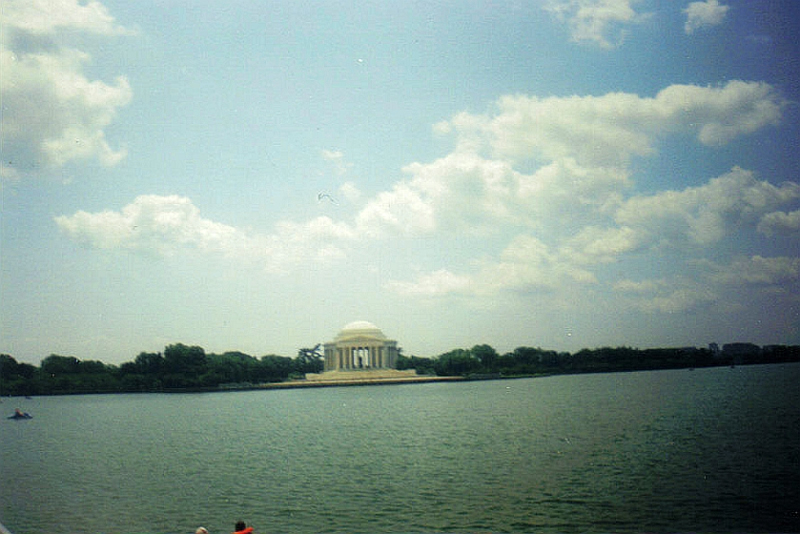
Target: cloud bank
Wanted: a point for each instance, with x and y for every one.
(572, 211)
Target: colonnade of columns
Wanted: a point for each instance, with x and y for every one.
(360, 356)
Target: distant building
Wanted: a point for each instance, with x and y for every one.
(360, 345)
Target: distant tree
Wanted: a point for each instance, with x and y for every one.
(457, 362)
(134, 382)
(781, 353)
(487, 356)
(16, 378)
(276, 368)
(527, 356)
(423, 366)
(92, 367)
(522, 361)
(230, 368)
(8, 364)
(403, 361)
(310, 360)
(183, 366)
(55, 365)
(185, 360)
(149, 363)
(67, 374)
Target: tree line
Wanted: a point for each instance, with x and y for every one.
(190, 368)
(484, 361)
(178, 368)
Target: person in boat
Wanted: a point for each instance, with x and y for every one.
(242, 528)
(19, 414)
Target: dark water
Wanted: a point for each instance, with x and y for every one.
(706, 450)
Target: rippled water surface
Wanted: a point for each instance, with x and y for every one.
(705, 450)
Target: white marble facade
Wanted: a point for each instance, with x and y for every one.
(360, 345)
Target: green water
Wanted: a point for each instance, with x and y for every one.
(705, 450)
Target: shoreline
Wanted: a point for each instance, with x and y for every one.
(357, 382)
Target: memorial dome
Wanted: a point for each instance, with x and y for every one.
(360, 329)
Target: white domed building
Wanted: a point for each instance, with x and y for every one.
(360, 345)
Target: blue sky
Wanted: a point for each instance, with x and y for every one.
(255, 175)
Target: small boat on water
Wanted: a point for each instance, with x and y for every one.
(19, 414)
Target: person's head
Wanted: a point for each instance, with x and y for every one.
(201, 530)
(240, 526)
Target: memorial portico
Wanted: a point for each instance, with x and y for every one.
(360, 345)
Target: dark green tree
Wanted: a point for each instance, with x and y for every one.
(487, 356)
(55, 365)
(423, 366)
(276, 368)
(16, 378)
(457, 362)
(183, 366)
(179, 358)
(149, 363)
(309, 360)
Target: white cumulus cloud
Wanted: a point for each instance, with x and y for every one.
(780, 222)
(526, 264)
(440, 282)
(678, 294)
(704, 214)
(464, 192)
(702, 14)
(45, 17)
(696, 217)
(529, 263)
(600, 22)
(713, 283)
(166, 225)
(679, 299)
(152, 224)
(757, 270)
(609, 130)
(52, 113)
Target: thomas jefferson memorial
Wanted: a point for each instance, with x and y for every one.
(360, 345)
(359, 355)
